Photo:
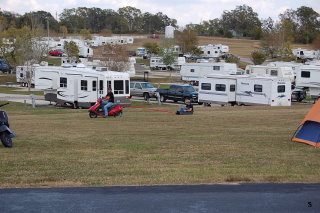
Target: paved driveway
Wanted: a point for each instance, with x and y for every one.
(184, 199)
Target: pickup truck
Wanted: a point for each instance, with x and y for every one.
(143, 89)
(178, 92)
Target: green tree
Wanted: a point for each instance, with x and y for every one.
(242, 20)
(72, 50)
(133, 17)
(258, 57)
(152, 47)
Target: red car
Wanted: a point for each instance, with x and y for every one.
(58, 52)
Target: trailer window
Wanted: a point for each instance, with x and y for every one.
(84, 85)
(232, 87)
(220, 87)
(94, 85)
(281, 88)
(109, 84)
(127, 87)
(305, 74)
(258, 88)
(216, 67)
(101, 87)
(208, 52)
(63, 82)
(274, 72)
(205, 86)
(118, 87)
(21, 75)
(191, 70)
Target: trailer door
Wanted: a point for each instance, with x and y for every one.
(232, 91)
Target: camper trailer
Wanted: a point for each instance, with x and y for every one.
(275, 71)
(194, 71)
(308, 76)
(80, 86)
(245, 90)
(25, 72)
(213, 51)
(156, 63)
(305, 54)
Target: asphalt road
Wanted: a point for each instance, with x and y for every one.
(186, 199)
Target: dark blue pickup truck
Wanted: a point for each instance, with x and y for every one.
(178, 92)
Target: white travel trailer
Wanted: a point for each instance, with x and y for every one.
(194, 71)
(245, 90)
(25, 72)
(308, 76)
(213, 51)
(80, 86)
(305, 54)
(281, 72)
(157, 63)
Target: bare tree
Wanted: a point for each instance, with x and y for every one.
(115, 57)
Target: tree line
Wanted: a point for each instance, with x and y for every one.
(301, 25)
(95, 20)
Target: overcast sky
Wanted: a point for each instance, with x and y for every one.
(185, 11)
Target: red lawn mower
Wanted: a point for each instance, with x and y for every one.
(95, 110)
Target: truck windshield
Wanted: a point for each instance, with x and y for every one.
(146, 85)
(189, 89)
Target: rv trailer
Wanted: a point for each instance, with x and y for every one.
(308, 76)
(80, 86)
(156, 63)
(245, 90)
(272, 71)
(194, 71)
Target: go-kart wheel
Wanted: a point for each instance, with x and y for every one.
(92, 115)
(5, 139)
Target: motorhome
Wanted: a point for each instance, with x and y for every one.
(80, 86)
(281, 72)
(245, 90)
(308, 76)
(156, 63)
(194, 71)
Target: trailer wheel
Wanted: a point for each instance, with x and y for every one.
(92, 115)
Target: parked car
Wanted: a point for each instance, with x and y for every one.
(178, 92)
(57, 52)
(4, 67)
(298, 95)
(142, 89)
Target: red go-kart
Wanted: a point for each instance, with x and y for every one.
(96, 110)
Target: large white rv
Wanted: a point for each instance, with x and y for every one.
(305, 54)
(273, 71)
(80, 86)
(308, 76)
(245, 90)
(194, 71)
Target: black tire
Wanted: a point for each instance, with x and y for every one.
(92, 115)
(163, 98)
(5, 139)
(146, 96)
(118, 114)
(200, 103)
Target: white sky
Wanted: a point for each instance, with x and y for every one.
(185, 11)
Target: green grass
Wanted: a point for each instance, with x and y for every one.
(56, 61)
(64, 147)
(13, 90)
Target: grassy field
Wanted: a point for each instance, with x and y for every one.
(64, 147)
